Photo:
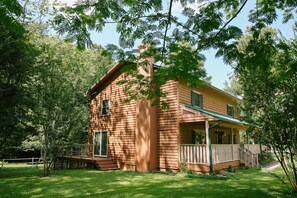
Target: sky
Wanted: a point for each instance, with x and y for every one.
(215, 67)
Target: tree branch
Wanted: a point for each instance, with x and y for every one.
(242, 6)
(166, 29)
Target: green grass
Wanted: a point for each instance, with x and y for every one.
(94, 183)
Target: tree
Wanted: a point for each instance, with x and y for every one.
(63, 76)
(16, 61)
(233, 87)
(206, 26)
(9, 13)
(266, 65)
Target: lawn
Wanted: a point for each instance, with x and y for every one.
(94, 183)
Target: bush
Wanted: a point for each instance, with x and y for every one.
(266, 158)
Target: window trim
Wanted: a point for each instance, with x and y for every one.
(199, 95)
(230, 106)
(107, 142)
(101, 109)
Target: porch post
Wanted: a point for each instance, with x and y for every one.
(232, 146)
(208, 146)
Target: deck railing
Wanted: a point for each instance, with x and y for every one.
(75, 150)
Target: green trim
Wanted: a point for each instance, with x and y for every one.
(210, 145)
(216, 115)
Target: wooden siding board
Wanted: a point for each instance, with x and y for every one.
(212, 100)
(167, 129)
(120, 123)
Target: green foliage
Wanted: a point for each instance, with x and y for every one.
(10, 10)
(153, 22)
(63, 74)
(266, 66)
(16, 69)
(266, 158)
(233, 87)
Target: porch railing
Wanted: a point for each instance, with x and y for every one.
(225, 153)
(75, 150)
(192, 153)
(248, 157)
(255, 148)
(197, 154)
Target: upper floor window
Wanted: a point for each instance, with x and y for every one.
(197, 99)
(230, 110)
(105, 107)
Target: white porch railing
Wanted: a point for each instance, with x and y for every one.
(197, 154)
(248, 157)
(255, 148)
(193, 153)
(225, 153)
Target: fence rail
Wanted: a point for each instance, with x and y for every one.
(21, 162)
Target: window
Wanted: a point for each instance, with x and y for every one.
(105, 107)
(198, 137)
(197, 99)
(230, 110)
(220, 135)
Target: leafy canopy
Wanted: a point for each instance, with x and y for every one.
(153, 22)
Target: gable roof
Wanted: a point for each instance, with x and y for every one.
(118, 66)
(104, 78)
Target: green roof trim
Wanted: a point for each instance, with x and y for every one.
(216, 115)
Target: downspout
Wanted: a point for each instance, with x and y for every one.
(210, 145)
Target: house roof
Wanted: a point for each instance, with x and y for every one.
(216, 115)
(104, 78)
(120, 65)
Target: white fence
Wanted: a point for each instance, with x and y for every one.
(21, 162)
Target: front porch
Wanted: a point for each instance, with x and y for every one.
(210, 141)
(198, 158)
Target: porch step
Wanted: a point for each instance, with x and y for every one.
(106, 164)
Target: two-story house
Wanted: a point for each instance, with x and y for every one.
(199, 128)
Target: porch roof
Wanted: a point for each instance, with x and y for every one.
(216, 115)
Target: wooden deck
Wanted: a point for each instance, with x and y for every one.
(81, 156)
(68, 162)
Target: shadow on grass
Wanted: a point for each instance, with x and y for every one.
(94, 183)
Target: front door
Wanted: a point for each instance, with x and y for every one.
(100, 143)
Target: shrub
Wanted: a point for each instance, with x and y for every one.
(266, 158)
